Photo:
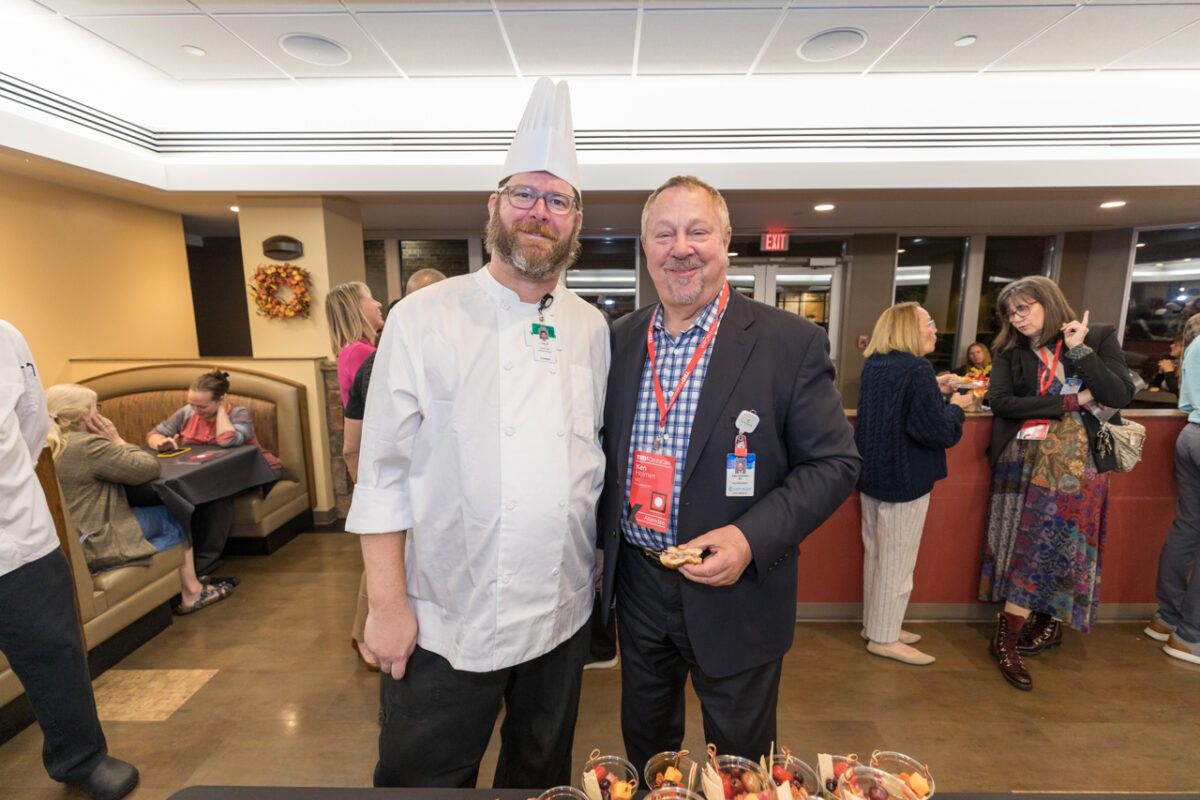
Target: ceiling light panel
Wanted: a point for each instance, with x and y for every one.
(882, 26)
(419, 43)
(270, 6)
(443, 6)
(930, 46)
(572, 42)
(160, 40)
(264, 32)
(717, 41)
(1094, 36)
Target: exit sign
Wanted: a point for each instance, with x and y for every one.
(774, 242)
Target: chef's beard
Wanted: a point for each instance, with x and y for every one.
(534, 263)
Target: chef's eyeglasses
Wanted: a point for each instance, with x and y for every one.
(526, 197)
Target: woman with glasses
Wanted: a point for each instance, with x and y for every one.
(902, 430)
(1046, 521)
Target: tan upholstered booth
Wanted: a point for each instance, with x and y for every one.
(138, 399)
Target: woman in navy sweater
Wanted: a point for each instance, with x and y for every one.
(902, 431)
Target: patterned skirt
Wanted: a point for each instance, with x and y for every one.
(1045, 526)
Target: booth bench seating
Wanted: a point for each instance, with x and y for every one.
(138, 399)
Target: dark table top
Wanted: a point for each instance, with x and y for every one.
(204, 474)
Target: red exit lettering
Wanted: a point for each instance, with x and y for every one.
(774, 242)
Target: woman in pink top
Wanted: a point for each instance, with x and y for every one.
(355, 320)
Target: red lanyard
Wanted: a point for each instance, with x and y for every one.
(1044, 381)
(663, 407)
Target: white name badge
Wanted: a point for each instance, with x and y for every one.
(739, 475)
(544, 342)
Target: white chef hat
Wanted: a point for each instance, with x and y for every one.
(545, 139)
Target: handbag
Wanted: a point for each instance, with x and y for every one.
(1124, 441)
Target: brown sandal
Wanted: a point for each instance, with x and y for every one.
(211, 593)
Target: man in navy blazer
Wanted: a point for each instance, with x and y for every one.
(724, 432)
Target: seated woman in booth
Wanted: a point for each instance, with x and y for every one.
(94, 465)
(208, 419)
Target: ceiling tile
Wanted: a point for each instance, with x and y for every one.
(264, 31)
(1094, 36)
(714, 5)
(270, 6)
(441, 6)
(1178, 51)
(698, 42)
(103, 8)
(558, 6)
(930, 46)
(572, 42)
(882, 26)
(456, 44)
(159, 41)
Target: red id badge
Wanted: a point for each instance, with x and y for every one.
(651, 487)
(1034, 430)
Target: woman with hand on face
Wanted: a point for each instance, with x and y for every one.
(1046, 519)
(209, 418)
(355, 320)
(902, 430)
(94, 464)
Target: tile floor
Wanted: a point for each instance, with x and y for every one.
(270, 693)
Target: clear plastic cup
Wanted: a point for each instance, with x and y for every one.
(658, 763)
(898, 764)
(563, 793)
(725, 763)
(616, 766)
(805, 775)
(856, 782)
(674, 793)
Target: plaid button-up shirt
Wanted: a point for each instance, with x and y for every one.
(671, 358)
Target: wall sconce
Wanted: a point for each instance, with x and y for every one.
(282, 248)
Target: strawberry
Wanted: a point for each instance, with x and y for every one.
(780, 774)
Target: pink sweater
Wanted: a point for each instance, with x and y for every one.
(349, 360)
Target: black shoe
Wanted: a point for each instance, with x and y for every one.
(111, 780)
(1042, 632)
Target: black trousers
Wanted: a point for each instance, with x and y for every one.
(210, 530)
(436, 720)
(656, 660)
(39, 635)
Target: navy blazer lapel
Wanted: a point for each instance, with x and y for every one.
(730, 352)
(631, 345)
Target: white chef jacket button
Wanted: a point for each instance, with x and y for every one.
(509, 431)
(508, 365)
(562, 433)
(507, 580)
(562, 504)
(505, 305)
(554, 370)
(510, 505)
(554, 571)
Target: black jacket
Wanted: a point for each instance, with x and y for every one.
(1013, 393)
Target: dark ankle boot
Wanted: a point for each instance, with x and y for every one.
(1041, 632)
(1004, 650)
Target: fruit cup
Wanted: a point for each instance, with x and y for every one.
(803, 775)
(658, 765)
(737, 767)
(868, 783)
(609, 770)
(562, 793)
(907, 769)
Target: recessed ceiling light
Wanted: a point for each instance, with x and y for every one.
(832, 44)
(234, 209)
(1159, 264)
(823, 207)
(731, 255)
(1141, 244)
(901, 250)
(192, 50)
(313, 49)
(965, 41)
(1112, 204)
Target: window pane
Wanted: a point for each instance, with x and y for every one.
(1006, 259)
(1163, 294)
(605, 274)
(929, 272)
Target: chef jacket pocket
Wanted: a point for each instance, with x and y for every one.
(584, 414)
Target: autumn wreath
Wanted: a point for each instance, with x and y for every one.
(266, 286)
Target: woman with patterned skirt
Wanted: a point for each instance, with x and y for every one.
(1053, 380)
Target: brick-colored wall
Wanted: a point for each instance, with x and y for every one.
(446, 255)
